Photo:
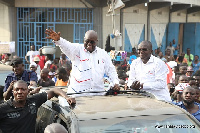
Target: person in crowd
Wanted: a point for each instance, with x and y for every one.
(176, 47)
(161, 56)
(189, 57)
(32, 53)
(19, 73)
(190, 71)
(45, 81)
(181, 60)
(19, 114)
(62, 77)
(175, 71)
(89, 63)
(63, 60)
(183, 82)
(183, 70)
(149, 73)
(133, 56)
(196, 63)
(55, 128)
(192, 81)
(197, 80)
(188, 102)
(171, 88)
(42, 59)
(171, 48)
(33, 67)
(38, 69)
(52, 75)
(197, 100)
(49, 60)
(5, 60)
(168, 55)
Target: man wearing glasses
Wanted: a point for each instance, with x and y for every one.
(149, 73)
(89, 63)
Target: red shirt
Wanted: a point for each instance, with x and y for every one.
(42, 61)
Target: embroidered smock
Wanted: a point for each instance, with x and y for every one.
(153, 75)
(88, 69)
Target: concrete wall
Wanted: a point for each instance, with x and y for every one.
(179, 16)
(50, 3)
(5, 29)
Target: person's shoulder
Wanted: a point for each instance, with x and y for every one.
(5, 106)
(10, 75)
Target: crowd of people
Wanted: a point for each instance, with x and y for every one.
(173, 77)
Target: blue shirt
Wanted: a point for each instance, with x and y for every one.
(176, 51)
(195, 67)
(196, 114)
(26, 76)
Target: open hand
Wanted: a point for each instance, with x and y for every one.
(52, 35)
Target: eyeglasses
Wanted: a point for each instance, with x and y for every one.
(92, 42)
(142, 49)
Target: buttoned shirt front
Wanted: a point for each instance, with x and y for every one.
(153, 75)
(88, 69)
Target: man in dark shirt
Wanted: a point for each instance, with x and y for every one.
(45, 81)
(18, 74)
(18, 115)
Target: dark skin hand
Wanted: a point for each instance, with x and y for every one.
(137, 85)
(52, 35)
(116, 87)
(8, 93)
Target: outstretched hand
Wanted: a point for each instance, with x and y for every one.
(71, 101)
(52, 35)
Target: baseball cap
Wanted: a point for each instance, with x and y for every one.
(16, 61)
(36, 58)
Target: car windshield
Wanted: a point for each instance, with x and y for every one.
(140, 124)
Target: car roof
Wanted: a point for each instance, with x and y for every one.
(121, 106)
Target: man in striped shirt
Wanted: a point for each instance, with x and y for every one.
(89, 63)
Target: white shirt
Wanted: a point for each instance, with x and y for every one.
(32, 54)
(88, 69)
(154, 76)
(46, 63)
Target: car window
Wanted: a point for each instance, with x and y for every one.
(141, 124)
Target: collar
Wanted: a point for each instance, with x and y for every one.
(23, 74)
(151, 59)
(10, 102)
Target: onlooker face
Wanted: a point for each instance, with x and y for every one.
(63, 56)
(90, 41)
(183, 70)
(160, 54)
(20, 92)
(168, 52)
(174, 41)
(197, 80)
(18, 69)
(33, 68)
(188, 51)
(189, 95)
(144, 51)
(33, 48)
(44, 73)
(196, 58)
(197, 94)
(170, 44)
(183, 79)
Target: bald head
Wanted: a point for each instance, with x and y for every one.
(55, 128)
(91, 33)
(147, 43)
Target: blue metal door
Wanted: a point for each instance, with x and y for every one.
(32, 22)
(189, 37)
